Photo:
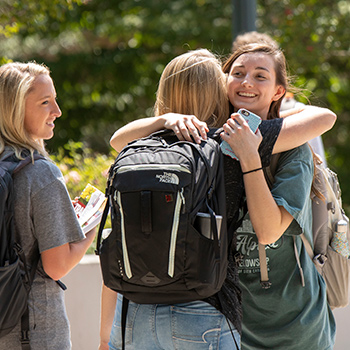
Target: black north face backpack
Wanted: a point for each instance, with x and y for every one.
(168, 242)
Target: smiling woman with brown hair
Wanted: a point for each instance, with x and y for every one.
(293, 313)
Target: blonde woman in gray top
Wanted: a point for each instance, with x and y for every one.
(45, 222)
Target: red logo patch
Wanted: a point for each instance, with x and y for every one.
(168, 198)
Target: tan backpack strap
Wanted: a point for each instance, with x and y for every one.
(269, 173)
(264, 277)
(307, 246)
(298, 262)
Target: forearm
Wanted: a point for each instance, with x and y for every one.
(58, 261)
(108, 305)
(185, 127)
(268, 219)
(78, 249)
(303, 126)
(135, 130)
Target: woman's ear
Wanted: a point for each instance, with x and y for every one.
(279, 93)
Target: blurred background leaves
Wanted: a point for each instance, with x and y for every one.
(106, 57)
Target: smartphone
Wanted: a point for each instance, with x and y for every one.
(253, 121)
(202, 224)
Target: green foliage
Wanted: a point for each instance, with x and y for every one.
(106, 57)
(33, 16)
(80, 166)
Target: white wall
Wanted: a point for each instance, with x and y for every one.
(83, 307)
(83, 303)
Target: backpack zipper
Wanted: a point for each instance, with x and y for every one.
(124, 246)
(180, 199)
(177, 167)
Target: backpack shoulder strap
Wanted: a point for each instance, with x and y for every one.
(27, 160)
(269, 173)
(264, 276)
(307, 246)
(270, 170)
(298, 261)
(14, 165)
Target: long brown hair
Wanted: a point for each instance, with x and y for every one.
(282, 78)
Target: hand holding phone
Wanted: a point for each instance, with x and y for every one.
(253, 121)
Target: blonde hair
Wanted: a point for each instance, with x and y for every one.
(16, 81)
(193, 83)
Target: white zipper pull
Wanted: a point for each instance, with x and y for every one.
(124, 245)
(183, 200)
(174, 230)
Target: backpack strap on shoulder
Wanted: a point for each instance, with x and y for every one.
(308, 247)
(298, 261)
(270, 170)
(125, 306)
(269, 173)
(102, 224)
(29, 276)
(25, 329)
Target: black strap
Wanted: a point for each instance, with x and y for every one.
(219, 294)
(235, 224)
(16, 166)
(125, 305)
(27, 161)
(19, 164)
(25, 330)
(214, 230)
(102, 224)
(270, 170)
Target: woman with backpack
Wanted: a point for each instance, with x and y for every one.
(46, 226)
(182, 89)
(290, 311)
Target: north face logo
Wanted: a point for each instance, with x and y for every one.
(168, 178)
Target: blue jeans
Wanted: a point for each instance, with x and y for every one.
(190, 326)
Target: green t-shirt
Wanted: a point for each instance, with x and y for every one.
(287, 316)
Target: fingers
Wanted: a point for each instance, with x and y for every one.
(187, 126)
(228, 130)
(237, 120)
(202, 127)
(237, 126)
(225, 136)
(234, 124)
(178, 133)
